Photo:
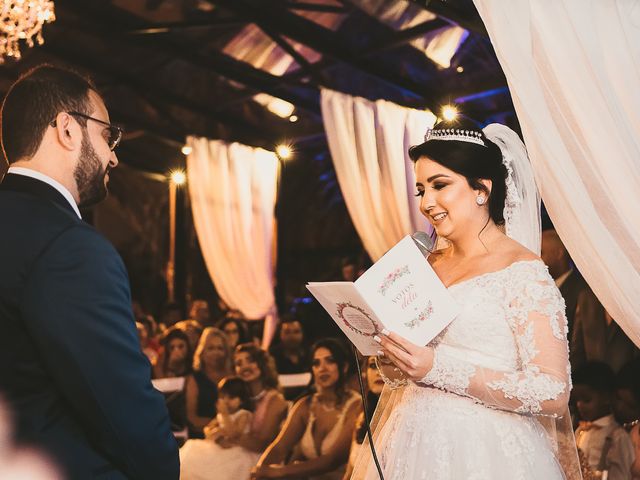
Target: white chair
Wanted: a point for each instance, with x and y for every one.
(173, 388)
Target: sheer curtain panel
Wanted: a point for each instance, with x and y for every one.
(233, 193)
(573, 68)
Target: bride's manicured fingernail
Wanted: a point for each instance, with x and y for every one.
(385, 331)
(381, 353)
(377, 338)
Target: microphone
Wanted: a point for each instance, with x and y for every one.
(424, 242)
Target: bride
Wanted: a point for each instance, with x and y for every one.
(487, 399)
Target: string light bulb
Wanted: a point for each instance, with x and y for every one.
(178, 177)
(449, 112)
(293, 118)
(284, 151)
(186, 150)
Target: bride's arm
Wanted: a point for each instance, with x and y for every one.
(541, 382)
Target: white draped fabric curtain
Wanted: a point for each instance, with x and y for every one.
(369, 143)
(573, 68)
(233, 193)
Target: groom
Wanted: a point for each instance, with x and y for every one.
(71, 369)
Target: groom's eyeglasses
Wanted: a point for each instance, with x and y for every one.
(115, 131)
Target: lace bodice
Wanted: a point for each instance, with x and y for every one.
(508, 348)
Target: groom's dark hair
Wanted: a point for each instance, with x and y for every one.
(34, 101)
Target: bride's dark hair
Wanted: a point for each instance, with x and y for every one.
(473, 161)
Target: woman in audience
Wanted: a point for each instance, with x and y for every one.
(192, 329)
(257, 369)
(321, 424)
(211, 363)
(235, 330)
(375, 383)
(176, 358)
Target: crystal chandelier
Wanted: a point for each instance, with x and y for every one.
(22, 20)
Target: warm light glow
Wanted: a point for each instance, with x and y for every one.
(186, 150)
(178, 177)
(293, 118)
(284, 151)
(449, 112)
(23, 20)
(460, 69)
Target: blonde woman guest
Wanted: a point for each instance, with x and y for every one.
(211, 363)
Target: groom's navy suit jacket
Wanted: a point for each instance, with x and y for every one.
(71, 369)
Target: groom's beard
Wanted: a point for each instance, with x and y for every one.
(89, 175)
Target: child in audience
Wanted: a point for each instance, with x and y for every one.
(206, 459)
(234, 410)
(605, 445)
(626, 407)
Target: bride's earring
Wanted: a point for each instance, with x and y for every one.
(480, 200)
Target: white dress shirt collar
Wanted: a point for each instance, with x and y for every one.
(27, 172)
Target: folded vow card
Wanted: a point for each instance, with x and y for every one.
(400, 292)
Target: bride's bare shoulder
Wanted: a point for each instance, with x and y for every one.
(516, 252)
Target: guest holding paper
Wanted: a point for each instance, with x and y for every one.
(479, 396)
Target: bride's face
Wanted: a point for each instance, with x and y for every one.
(447, 200)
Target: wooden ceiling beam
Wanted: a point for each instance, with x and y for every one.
(466, 17)
(238, 128)
(276, 17)
(213, 61)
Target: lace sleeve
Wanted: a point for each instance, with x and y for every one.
(540, 383)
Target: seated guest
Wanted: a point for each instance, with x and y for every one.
(604, 444)
(171, 314)
(320, 424)
(202, 459)
(375, 384)
(199, 312)
(143, 336)
(193, 330)
(596, 337)
(176, 358)
(236, 331)
(211, 363)
(570, 283)
(290, 354)
(257, 370)
(626, 407)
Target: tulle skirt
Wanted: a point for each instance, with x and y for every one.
(434, 435)
(206, 460)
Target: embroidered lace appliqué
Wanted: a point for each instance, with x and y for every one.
(534, 312)
(449, 374)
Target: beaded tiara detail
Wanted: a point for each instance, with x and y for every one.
(458, 134)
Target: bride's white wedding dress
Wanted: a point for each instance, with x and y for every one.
(499, 365)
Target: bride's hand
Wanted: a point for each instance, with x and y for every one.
(414, 361)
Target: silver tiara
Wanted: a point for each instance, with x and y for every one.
(458, 134)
